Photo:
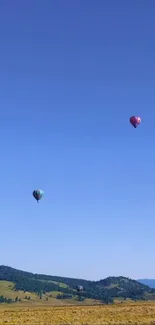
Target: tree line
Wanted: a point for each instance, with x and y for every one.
(8, 300)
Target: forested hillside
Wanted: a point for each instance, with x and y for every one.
(104, 290)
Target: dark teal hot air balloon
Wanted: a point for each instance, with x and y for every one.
(38, 194)
(79, 288)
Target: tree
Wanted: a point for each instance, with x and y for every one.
(40, 294)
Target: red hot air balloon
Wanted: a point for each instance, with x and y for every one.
(135, 121)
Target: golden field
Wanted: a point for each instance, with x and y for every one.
(125, 313)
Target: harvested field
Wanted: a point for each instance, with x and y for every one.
(126, 313)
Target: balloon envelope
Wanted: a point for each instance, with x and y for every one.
(79, 288)
(135, 121)
(38, 194)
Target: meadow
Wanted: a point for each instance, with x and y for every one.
(137, 313)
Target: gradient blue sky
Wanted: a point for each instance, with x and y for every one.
(71, 75)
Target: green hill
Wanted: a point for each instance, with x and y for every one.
(25, 286)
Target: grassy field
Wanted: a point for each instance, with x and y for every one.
(52, 311)
(137, 313)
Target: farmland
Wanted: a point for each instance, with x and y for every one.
(120, 313)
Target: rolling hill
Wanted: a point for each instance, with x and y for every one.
(19, 286)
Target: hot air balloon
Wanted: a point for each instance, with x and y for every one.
(79, 288)
(135, 121)
(38, 194)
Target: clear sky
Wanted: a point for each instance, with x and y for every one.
(71, 75)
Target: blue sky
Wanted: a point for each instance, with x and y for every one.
(71, 75)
